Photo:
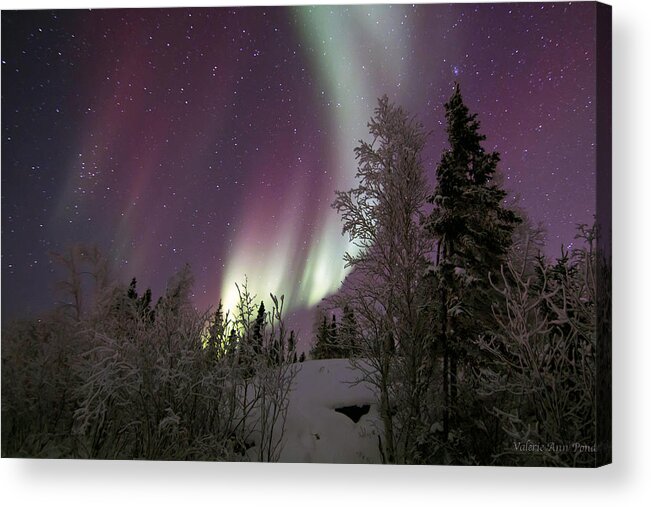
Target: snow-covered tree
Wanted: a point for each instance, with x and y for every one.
(348, 331)
(542, 368)
(291, 347)
(109, 381)
(473, 229)
(324, 340)
(382, 217)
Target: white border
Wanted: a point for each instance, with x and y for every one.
(66, 483)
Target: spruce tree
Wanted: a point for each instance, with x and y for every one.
(216, 332)
(291, 347)
(131, 292)
(334, 350)
(143, 303)
(321, 347)
(473, 230)
(258, 329)
(233, 345)
(347, 332)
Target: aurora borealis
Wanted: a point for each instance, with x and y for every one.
(217, 137)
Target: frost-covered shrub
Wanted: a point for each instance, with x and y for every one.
(542, 366)
(124, 380)
(38, 382)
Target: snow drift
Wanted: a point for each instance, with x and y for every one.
(332, 415)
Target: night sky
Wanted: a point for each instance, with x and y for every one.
(217, 137)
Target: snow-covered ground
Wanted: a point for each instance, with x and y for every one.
(315, 431)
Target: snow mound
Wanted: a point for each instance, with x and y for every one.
(327, 397)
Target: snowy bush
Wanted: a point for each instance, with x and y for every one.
(123, 380)
(543, 361)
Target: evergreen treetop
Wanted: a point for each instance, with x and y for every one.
(469, 220)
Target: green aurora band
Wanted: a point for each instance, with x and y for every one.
(349, 50)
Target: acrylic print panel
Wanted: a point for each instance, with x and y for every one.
(348, 234)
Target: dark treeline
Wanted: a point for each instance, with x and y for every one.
(335, 339)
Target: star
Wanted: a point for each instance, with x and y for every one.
(243, 124)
